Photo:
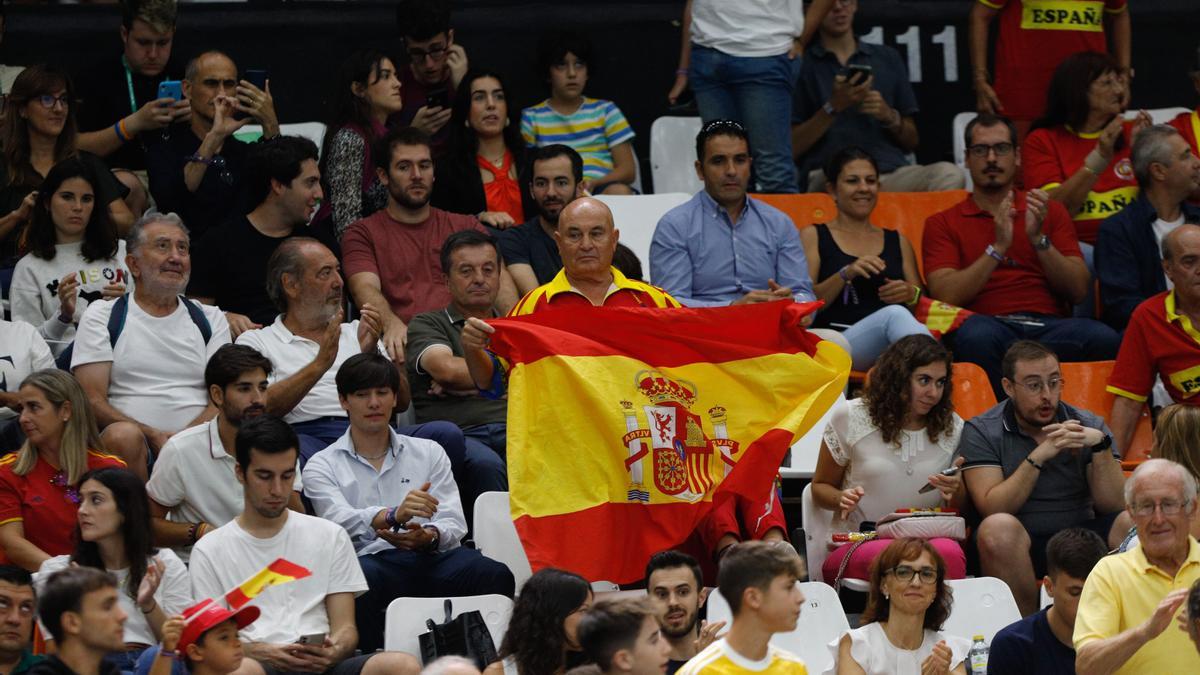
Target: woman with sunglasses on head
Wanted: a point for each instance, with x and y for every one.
(113, 534)
(39, 484)
(900, 630)
(74, 255)
(39, 132)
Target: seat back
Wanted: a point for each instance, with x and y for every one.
(959, 127)
(496, 536)
(972, 390)
(636, 216)
(405, 618)
(822, 621)
(1084, 386)
(673, 154)
(802, 458)
(314, 131)
(817, 523)
(982, 606)
(1158, 115)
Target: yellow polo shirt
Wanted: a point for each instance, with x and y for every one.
(720, 659)
(1122, 591)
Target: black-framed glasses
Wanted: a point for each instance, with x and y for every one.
(721, 125)
(435, 52)
(48, 101)
(904, 573)
(982, 149)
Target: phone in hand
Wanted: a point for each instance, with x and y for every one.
(170, 89)
(437, 98)
(256, 77)
(857, 73)
(315, 639)
(929, 487)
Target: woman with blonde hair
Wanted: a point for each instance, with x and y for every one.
(1176, 434)
(39, 493)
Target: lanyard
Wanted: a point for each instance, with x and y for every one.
(129, 83)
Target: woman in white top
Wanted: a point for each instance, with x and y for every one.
(113, 534)
(74, 255)
(878, 452)
(900, 632)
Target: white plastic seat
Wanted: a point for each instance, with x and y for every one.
(405, 618)
(821, 621)
(636, 216)
(961, 120)
(817, 523)
(1157, 115)
(314, 131)
(496, 536)
(982, 606)
(673, 154)
(803, 459)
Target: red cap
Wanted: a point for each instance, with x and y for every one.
(208, 613)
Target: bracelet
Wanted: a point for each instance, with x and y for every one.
(993, 253)
(1033, 463)
(192, 532)
(66, 319)
(1095, 163)
(681, 71)
(151, 610)
(197, 159)
(120, 132)
(916, 297)
(201, 530)
(390, 517)
(163, 651)
(849, 293)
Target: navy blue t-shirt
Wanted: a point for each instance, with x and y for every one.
(1028, 647)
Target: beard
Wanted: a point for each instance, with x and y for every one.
(688, 628)
(547, 216)
(411, 203)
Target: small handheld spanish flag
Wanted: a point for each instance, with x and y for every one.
(279, 572)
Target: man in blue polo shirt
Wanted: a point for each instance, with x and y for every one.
(1041, 643)
(854, 93)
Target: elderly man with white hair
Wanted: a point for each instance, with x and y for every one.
(1130, 599)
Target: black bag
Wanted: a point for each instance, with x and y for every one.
(465, 635)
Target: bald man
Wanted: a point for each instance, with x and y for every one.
(1161, 339)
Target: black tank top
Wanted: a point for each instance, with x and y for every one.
(834, 259)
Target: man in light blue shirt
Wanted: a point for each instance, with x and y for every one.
(396, 498)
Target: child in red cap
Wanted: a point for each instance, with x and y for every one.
(205, 638)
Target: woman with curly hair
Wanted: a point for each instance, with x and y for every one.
(541, 631)
(900, 631)
(878, 451)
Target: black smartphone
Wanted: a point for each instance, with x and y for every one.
(857, 73)
(437, 98)
(928, 487)
(256, 77)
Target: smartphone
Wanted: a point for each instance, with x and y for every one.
(857, 73)
(170, 89)
(316, 639)
(437, 98)
(928, 487)
(257, 78)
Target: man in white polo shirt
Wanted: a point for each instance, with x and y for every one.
(140, 358)
(193, 488)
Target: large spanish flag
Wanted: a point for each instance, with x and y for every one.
(626, 424)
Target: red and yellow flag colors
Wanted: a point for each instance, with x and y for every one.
(939, 317)
(625, 424)
(278, 572)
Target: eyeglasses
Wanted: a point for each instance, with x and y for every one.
(48, 101)
(718, 125)
(905, 573)
(1169, 507)
(436, 52)
(982, 149)
(1036, 387)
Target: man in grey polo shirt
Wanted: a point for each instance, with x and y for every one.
(442, 388)
(1036, 465)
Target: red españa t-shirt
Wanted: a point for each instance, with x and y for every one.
(1158, 341)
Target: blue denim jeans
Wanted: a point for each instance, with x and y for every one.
(756, 91)
(871, 335)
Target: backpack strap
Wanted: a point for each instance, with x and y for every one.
(116, 319)
(198, 318)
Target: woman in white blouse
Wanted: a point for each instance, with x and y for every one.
(878, 452)
(900, 632)
(113, 534)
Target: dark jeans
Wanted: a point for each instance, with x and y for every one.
(395, 574)
(983, 339)
(484, 467)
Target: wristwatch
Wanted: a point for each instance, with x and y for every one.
(1103, 445)
(437, 539)
(828, 108)
(1042, 243)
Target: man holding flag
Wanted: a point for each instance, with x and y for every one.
(318, 559)
(678, 479)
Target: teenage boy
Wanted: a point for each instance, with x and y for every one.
(675, 585)
(80, 610)
(596, 128)
(621, 637)
(1041, 643)
(758, 580)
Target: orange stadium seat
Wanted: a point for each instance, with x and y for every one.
(1084, 387)
(972, 392)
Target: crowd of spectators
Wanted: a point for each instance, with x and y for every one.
(213, 339)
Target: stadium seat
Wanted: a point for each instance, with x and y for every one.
(1084, 387)
(314, 131)
(961, 120)
(972, 391)
(636, 216)
(905, 212)
(406, 617)
(1158, 115)
(982, 606)
(821, 621)
(496, 536)
(673, 155)
(817, 522)
(802, 459)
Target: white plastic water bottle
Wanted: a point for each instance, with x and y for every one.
(978, 656)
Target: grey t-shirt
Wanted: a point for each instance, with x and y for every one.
(1061, 497)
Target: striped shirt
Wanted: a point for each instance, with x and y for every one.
(593, 131)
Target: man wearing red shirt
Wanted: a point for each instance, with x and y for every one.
(1012, 258)
(1034, 37)
(1162, 339)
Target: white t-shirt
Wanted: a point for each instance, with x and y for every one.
(35, 288)
(158, 364)
(889, 475)
(229, 556)
(1161, 229)
(194, 477)
(174, 593)
(289, 353)
(748, 28)
(22, 351)
(872, 649)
